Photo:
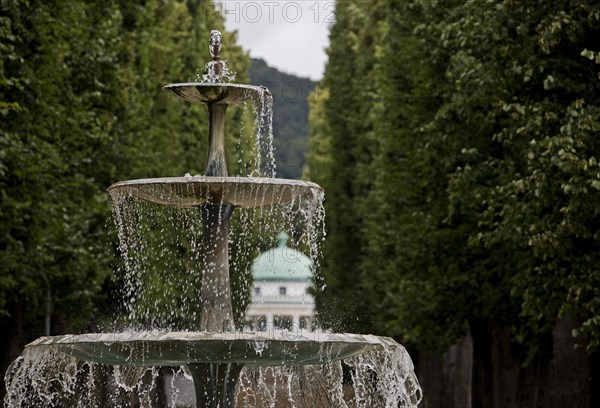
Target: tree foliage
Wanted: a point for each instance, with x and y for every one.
(462, 139)
(81, 107)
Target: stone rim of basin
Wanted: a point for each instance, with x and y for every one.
(243, 192)
(216, 93)
(249, 348)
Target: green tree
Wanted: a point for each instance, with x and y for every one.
(346, 110)
(466, 183)
(81, 107)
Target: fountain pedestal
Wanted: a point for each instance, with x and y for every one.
(215, 295)
(215, 384)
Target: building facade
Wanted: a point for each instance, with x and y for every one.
(281, 293)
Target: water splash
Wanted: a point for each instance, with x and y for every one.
(216, 70)
(49, 378)
(264, 135)
(161, 252)
(382, 378)
(262, 162)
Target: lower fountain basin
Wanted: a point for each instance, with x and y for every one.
(245, 192)
(183, 348)
(216, 93)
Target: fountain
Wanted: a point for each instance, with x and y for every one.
(54, 369)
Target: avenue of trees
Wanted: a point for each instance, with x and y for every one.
(458, 143)
(81, 107)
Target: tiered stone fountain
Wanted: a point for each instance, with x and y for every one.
(216, 354)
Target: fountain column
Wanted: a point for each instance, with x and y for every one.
(216, 383)
(215, 296)
(216, 165)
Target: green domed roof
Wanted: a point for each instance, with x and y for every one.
(282, 263)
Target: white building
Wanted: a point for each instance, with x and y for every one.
(281, 297)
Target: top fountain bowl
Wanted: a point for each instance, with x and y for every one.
(216, 93)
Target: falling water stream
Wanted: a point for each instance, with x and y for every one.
(162, 260)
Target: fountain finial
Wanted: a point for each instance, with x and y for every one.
(215, 44)
(282, 239)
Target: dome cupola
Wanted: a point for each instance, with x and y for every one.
(282, 263)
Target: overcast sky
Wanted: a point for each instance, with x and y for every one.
(289, 35)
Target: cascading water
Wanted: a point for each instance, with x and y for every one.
(216, 70)
(180, 239)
